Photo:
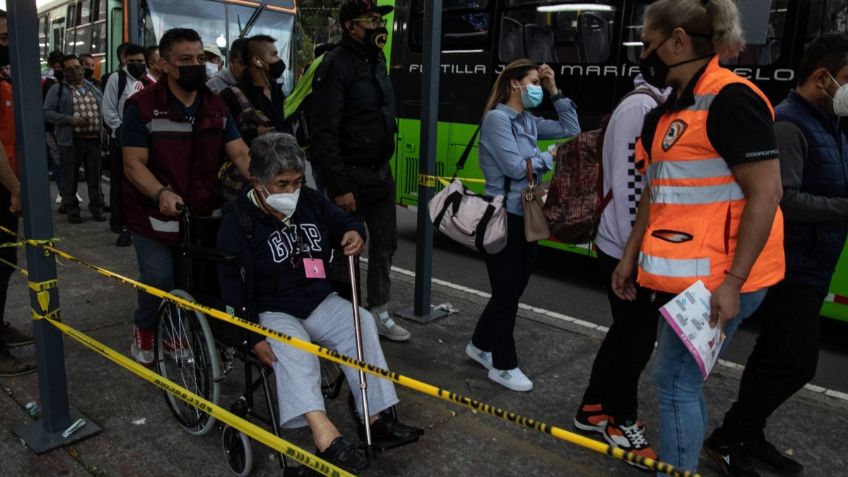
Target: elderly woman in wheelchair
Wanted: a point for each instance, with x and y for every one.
(283, 234)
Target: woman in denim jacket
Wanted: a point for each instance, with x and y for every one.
(508, 138)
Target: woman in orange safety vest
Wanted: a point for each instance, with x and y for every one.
(710, 210)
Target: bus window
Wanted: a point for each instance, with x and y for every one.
(826, 16)
(207, 18)
(763, 22)
(465, 25)
(98, 38)
(560, 33)
(43, 38)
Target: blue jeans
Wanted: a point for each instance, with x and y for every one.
(680, 390)
(157, 263)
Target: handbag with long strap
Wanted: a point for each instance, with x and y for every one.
(535, 225)
(475, 221)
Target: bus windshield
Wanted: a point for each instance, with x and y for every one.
(221, 23)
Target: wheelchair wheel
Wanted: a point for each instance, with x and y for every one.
(332, 379)
(185, 353)
(237, 451)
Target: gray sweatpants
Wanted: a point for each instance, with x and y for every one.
(298, 373)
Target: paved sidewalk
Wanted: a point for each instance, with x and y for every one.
(556, 355)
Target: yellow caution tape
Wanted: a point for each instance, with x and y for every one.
(255, 432)
(397, 378)
(430, 181)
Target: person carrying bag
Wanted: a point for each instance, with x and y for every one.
(511, 160)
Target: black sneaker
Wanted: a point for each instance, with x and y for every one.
(63, 209)
(11, 337)
(387, 433)
(98, 215)
(74, 217)
(124, 238)
(342, 453)
(763, 451)
(732, 458)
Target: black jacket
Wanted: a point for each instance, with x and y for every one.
(353, 114)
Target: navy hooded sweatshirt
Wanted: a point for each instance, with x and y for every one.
(273, 283)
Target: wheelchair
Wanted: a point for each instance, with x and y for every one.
(198, 353)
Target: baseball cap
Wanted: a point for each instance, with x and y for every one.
(351, 9)
(210, 48)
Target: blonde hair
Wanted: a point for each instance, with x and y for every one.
(713, 24)
(516, 70)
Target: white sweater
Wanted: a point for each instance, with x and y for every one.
(619, 167)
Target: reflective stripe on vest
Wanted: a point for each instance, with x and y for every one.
(675, 267)
(702, 102)
(696, 195)
(159, 125)
(701, 169)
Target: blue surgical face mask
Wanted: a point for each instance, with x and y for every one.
(531, 95)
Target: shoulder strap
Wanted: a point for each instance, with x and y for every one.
(247, 107)
(464, 157)
(641, 90)
(122, 83)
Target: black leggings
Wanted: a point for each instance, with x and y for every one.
(509, 271)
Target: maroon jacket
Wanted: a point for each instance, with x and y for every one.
(184, 156)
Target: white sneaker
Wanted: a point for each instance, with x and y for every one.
(477, 354)
(58, 198)
(387, 328)
(512, 379)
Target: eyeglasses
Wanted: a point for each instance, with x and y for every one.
(375, 21)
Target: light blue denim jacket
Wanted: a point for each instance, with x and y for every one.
(508, 137)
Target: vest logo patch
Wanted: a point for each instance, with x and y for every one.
(675, 130)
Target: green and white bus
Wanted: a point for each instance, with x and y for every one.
(593, 48)
(99, 26)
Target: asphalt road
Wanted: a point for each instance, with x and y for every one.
(568, 284)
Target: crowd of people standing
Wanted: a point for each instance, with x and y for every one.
(177, 118)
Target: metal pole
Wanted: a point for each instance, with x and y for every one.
(132, 21)
(360, 354)
(421, 310)
(56, 417)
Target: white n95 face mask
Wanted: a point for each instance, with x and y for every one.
(284, 203)
(840, 99)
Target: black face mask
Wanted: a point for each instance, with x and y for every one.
(655, 71)
(4, 55)
(136, 70)
(377, 38)
(192, 77)
(275, 70)
(88, 73)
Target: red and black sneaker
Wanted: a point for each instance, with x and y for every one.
(591, 418)
(629, 436)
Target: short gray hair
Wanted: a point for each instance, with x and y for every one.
(273, 154)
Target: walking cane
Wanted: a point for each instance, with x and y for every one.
(357, 328)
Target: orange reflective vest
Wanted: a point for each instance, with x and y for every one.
(696, 204)
(7, 123)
